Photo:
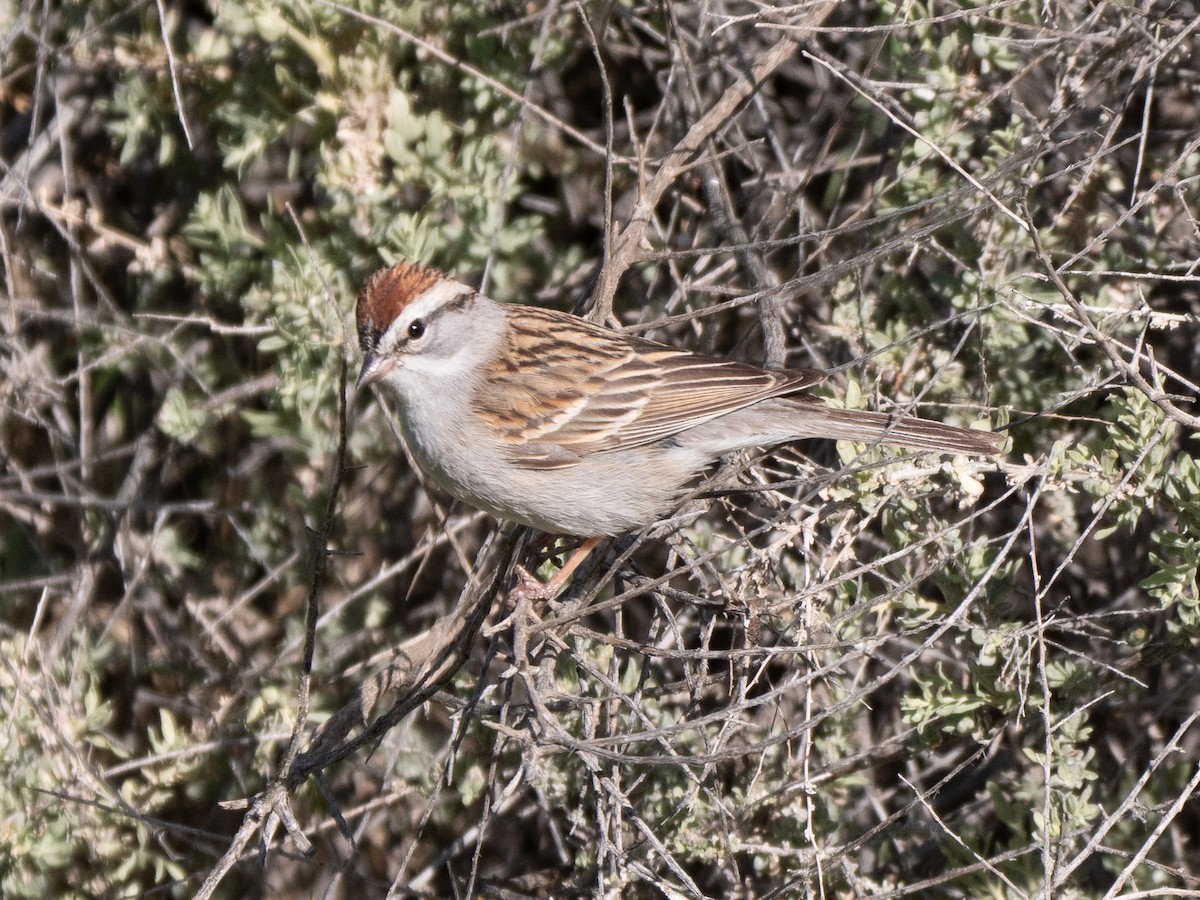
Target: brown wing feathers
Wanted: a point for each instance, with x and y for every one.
(587, 389)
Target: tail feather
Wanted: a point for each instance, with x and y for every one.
(904, 431)
(781, 420)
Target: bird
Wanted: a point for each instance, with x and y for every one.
(546, 419)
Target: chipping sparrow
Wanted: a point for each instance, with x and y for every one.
(546, 419)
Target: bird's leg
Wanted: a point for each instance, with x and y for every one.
(529, 588)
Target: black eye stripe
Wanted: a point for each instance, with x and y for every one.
(419, 327)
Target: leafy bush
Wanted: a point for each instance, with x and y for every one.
(864, 671)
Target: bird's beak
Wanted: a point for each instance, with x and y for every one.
(373, 368)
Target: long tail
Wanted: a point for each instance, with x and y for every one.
(903, 431)
(786, 419)
(819, 420)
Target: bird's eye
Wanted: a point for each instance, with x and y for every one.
(416, 328)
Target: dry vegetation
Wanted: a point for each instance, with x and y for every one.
(866, 673)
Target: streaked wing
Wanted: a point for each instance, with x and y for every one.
(587, 389)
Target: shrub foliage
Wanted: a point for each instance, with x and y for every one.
(863, 672)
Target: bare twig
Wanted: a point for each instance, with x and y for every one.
(166, 38)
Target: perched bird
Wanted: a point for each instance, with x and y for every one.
(543, 418)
